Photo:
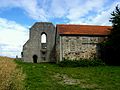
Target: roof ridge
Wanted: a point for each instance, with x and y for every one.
(81, 25)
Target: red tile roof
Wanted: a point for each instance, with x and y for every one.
(83, 29)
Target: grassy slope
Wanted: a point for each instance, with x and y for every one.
(53, 77)
(11, 78)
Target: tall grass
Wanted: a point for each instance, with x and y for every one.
(11, 77)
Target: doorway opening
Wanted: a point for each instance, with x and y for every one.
(35, 57)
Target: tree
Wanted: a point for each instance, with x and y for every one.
(111, 49)
(114, 37)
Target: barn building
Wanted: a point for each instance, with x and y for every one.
(48, 43)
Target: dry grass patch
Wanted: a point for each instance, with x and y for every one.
(11, 77)
(64, 79)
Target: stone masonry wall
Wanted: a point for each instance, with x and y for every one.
(77, 47)
(33, 47)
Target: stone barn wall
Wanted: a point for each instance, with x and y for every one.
(77, 47)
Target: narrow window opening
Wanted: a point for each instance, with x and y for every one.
(44, 41)
(43, 38)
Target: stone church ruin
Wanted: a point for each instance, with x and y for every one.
(65, 41)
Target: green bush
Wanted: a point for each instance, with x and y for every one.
(81, 63)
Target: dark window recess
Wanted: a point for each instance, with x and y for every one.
(43, 45)
(43, 53)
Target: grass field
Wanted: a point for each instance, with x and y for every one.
(52, 77)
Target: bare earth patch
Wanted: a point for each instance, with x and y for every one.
(65, 80)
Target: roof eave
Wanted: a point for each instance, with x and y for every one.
(83, 34)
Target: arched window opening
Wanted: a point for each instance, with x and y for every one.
(43, 38)
(35, 57)
(43, 41)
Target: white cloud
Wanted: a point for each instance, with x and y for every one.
(104, 16)
(12, 37)
(30, 6)
(34, 11)
(102, 9)
(79, 12)
(8, 3)
(58, 8)
(74, 11)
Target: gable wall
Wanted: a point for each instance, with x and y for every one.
(34, 46)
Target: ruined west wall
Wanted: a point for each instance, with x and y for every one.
(34, 47)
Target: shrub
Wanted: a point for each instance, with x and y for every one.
(81, 63)
(110, 50)
(11, 78)
(106, 51)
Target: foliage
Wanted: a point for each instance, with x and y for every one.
(11, 78)
(106, 51)
(114, 37)
(47, 76)
(110, 50)
(80, 63)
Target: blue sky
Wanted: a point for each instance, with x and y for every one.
(17, 16)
